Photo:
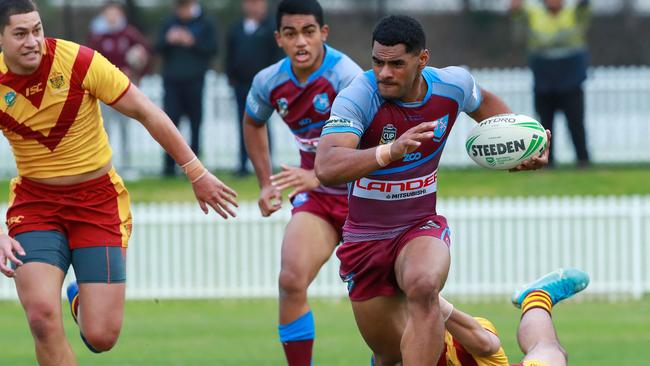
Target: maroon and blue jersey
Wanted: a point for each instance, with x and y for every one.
(304, 107)
(390, 200)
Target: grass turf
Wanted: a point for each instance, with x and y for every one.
(599, 180)
(243, 332)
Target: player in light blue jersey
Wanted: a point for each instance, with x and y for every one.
(301, 88)
(385, 135)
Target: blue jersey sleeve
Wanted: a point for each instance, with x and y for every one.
(460, 77)
(353, 107)
(258, 105)
(347, 71)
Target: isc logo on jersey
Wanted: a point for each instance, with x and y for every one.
(504, 141)
(388, 190)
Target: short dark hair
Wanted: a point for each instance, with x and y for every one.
(13, 7)
(400, 29)
(301, 7)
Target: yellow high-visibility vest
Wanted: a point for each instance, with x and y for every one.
(549, 32)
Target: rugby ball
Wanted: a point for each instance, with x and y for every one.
(504, 141)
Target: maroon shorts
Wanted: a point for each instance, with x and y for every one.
(368, 267)
(88, 214)
(330, 207)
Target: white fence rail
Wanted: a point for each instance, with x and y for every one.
(497, 244)
(616, 122)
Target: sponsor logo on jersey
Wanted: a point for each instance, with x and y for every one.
(338, 122)
(429, 224)
(15, 220)
(283, 106)
(10, 98)
(321, 103)
(300, 199)
(388, 134)
(389, 190)
(304, 122)
(499, 149)
(56, 80)
(307, 145)
(441, 128)
(349, 280)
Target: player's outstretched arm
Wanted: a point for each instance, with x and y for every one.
(339, 161)
(9, 247)
(468, 331)
(256, 139)
(208, 189)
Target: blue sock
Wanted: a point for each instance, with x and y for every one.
(372, 360)
(300, 329)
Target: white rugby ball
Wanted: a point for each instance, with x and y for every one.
(504, 141)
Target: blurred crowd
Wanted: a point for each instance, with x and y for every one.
(188, 41)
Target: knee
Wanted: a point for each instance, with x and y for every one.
(42, 319)
(422, 290)
(102, 340)
(292, 281)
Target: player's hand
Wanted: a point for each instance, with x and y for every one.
(536, 162)
(270, 200)
(9, 247)
(210, 191)
(410, 140)
(515, 5)
(301, 180)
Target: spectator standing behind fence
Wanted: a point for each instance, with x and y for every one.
(251, 47)
(125, 47)
(187, 42)
(558, 58)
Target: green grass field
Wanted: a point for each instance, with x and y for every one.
(238, 332)
(600, 180)
(243, 332)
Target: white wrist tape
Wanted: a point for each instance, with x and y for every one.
(382, 155)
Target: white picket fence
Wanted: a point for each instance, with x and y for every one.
(497, 244)
(616, 122)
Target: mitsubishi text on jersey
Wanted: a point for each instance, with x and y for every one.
(390, 200)
(304, 107)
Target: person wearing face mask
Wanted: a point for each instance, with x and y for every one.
(187, 42)
(558, 58)
(128, 49)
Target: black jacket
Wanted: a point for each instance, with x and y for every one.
(247, 54)
(188, 63)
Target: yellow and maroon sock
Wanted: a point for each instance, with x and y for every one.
(538, 299)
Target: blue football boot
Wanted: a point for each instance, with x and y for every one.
(560, 285)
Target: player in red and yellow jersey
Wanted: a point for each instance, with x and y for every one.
(473, 341)
(68, 206)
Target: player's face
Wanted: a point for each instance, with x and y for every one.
(22, 43)
(302, 40)
(396, 70)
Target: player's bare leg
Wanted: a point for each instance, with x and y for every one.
(538, 340)
(536, 334)
(308, 243)
(39, 291)
(381, 321)
(101, 311)
(421, 269)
